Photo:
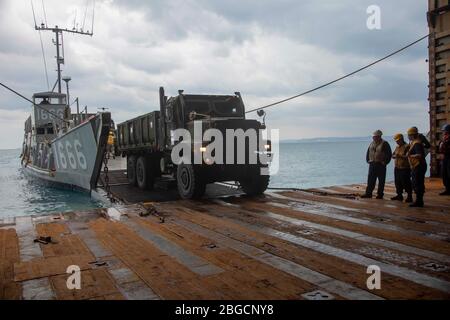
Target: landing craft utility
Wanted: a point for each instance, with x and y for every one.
(60, 147)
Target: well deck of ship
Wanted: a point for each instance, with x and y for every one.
(314, 244)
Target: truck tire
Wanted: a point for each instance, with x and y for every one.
(189, 182)
(144, 173)
(131, 170)
(255, 185)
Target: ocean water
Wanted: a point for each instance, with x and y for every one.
(20, 196)
(323, 163)
(302, 165)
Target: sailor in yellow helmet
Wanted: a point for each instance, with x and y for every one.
(402, 171)
(418, 163)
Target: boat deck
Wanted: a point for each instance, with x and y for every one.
(314, 244)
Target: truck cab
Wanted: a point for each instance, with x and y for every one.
(208, 132)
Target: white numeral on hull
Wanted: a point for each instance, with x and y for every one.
(50, 115)
(70, 155)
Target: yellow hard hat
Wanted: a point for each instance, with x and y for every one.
(413, 131)
(398, 137)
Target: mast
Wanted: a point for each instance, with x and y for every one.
(59, 43)
(58, 60)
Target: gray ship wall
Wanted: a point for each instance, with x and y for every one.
(75, 155)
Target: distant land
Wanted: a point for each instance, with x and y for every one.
(313, 140)
(333, 139)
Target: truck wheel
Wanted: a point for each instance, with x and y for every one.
(144, 173)
(189, 182)
(255, 185)
(131, 170)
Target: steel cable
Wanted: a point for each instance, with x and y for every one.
(341, 78)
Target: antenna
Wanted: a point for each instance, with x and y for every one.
(85, 13)
(93, 16)
(34, 15)
(43, 10)
(42, 45)
(75, 20)
(59, 39)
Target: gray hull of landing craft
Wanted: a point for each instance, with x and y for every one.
(75, 159)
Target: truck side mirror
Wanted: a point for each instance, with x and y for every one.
(261, 113)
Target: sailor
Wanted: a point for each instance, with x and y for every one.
(444, 149)
(418, 163)
(45, 101)
(111, 143)
(402, 171)
(425, 142)
(378, 156)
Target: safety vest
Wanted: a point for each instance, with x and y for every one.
(376, 153)
(111, 139)
(401, 160)
(414, 162)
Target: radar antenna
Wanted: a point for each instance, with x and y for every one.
(59, 41)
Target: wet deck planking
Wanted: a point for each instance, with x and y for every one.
(286, 245)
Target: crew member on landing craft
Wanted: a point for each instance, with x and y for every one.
(444, 149)
(111, 144)
(378, 156)
(418, 163)
(402, 169)
(45, 101)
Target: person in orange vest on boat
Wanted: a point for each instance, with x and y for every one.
(378, 156)
(418, 163)
(111, 143)
(402, 171)
(444, 149)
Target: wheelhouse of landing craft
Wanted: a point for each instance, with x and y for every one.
(49, 118)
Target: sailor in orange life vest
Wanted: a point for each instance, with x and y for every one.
(402, 169)
(418, 163)
(111, 144)
(378, 156)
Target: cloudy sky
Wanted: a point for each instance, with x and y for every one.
(266, 49)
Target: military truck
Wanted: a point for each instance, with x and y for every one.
(148, 142)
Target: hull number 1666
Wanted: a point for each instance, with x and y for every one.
(70, 155)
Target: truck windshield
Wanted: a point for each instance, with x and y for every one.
(228, 107)
(201, 107)
(216, 107)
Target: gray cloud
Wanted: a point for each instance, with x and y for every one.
(266, 49)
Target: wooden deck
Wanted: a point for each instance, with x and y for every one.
(314, 244)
